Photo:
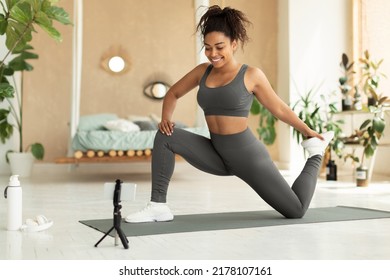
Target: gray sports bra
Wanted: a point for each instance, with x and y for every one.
(232, 99)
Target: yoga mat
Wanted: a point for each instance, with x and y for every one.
(236, 220)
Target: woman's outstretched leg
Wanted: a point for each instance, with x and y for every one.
(251, 162)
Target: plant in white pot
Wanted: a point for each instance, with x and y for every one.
(369, 134)
(18, 21)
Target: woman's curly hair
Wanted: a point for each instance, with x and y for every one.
(229, 21)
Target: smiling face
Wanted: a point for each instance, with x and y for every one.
(219, 48)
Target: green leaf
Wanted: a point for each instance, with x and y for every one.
(350, 66)
(11, 3)
(314, 112)
(7, 71)
(42, 18)
(383, 99)
(58, 14)
(267, 135)
(6, 91)
(369, 151)
(343, 80)
(366, 54)
(38, 151)
(6, 129)
(378, 124)
(22, 12)
(364, 124)
(345, 60)
(3, 24)
(16, 31)
(19, 63)
(51, 31)
(35, 4)
(255, 107)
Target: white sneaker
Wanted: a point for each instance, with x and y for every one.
(315, 146)
(153, 212)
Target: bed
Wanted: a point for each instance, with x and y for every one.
(109, 138)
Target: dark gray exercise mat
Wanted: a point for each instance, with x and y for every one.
(236, 220)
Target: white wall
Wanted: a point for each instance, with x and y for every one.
(312, 36)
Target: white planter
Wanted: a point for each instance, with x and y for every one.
(21, 163)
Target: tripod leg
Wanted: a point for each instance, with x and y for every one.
(116, 238)
(104, 236)
(123, 238)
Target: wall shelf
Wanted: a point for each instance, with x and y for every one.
(355, 113)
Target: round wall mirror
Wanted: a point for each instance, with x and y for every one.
(156, 90)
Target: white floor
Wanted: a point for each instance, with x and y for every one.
(70, 196)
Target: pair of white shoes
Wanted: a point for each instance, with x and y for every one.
(160, 212)
(38, 224)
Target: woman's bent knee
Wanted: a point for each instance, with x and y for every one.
(297, 214)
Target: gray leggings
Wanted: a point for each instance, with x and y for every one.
(240, 154)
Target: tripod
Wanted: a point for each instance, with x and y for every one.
(117, 217)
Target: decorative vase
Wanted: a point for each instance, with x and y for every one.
(371, 101)
(362, 176)
(331, 171)
(21, 163)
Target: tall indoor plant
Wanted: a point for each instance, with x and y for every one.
(18, 21)
(319, 116)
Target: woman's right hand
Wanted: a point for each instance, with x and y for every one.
(166, 127)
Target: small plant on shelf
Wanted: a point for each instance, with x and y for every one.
(345, 80)
(369, 135)
(371, 77)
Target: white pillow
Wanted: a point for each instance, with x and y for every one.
(122, 125)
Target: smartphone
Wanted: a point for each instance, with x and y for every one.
(127, 191)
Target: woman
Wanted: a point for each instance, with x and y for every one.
(226, 91)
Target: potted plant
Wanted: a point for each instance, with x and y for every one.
(369, 134)
(266, 128)
(18, 20)
(371, 78)
(308, 110)
(344, 80)
(319, 116)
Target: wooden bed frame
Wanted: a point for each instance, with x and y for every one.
(107, 157)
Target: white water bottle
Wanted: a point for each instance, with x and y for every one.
(13, 193)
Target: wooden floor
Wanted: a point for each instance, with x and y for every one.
(74, 194)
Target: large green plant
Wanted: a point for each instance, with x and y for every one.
(319, 116)
(18, 21)
(309, 112)
(267, 121)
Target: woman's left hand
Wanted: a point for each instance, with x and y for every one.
(311, 133)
